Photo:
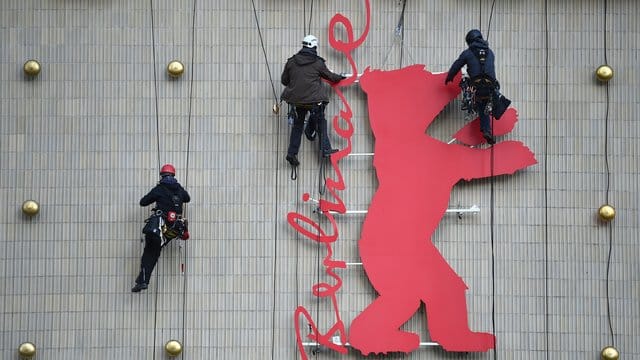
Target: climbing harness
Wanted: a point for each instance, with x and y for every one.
(479, 88)
(483, 88)
(314, 112)
(483, 84)
(166, 226)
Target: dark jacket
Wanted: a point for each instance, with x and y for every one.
(469, 58)
(302, 76)
(168, 196)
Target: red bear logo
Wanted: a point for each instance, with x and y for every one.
(416, 174)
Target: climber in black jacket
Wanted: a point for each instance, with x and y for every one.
(168, 195)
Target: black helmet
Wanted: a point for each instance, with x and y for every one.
(472, 36)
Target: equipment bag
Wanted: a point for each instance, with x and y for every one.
(153, 225)
(174, 230)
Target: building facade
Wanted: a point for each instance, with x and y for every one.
(85, 137)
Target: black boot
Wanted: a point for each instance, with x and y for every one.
(293, 160)
(327, 153)
(138, 287)
(490, 138)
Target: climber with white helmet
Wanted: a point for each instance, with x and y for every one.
(305, 92)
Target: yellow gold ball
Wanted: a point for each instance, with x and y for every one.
(276, 109)
(30, 207)
(31, 68)
(175, 68)
(173, 347)
(609, 353)
(604, 73)
(27, 350)
(606, 212)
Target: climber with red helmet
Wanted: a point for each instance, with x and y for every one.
(168, 195)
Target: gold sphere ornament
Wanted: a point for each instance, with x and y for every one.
(173, 347)
(27, 350)
(175, 69)
(30, 207)
(31, 67)
(607, 212)
(604, 73)
(276, 108)
(609, 353)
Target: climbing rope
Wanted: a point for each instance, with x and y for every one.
(155, 85)
(275, 247)
(493, 4)
(546, 178)
(264, 51)
(321, 187)
(492, 205)
(189, 111)
(277, 186)
(608, 172)
(307, 30)
(400, 29)
(399, 34)
(155, 82)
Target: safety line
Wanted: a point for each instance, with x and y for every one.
(493, 255)
(155, 82)
(264, 50)
(546, 179)
(155, 85)
(184, 265)
(310, 17)
(399, 31)
(608, 172)
(297, 261)
(318, 243)
(275, 244)
(400, 28)
(492, 205)
(276, 192)
(490, 18)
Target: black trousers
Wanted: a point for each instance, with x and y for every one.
(149, 259)
(317, 122)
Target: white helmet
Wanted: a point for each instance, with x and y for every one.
(310, 41)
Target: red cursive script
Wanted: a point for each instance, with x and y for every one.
(344, 128)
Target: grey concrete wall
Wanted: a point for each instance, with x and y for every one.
(85, 139)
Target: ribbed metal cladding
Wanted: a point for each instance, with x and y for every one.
(84, 139)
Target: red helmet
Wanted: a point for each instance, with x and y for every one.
(168, 169)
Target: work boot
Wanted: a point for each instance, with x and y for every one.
(310, 135)
(490, 138)
(139, 287)
(327, 153)
(293, 160)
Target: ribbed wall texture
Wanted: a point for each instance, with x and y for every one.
(85, 138)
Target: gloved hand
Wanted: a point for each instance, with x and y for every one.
(447, 80)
